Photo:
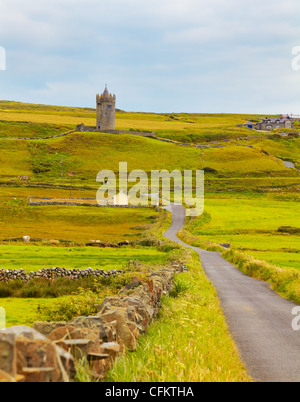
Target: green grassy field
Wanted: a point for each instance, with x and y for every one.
(33, 258)
(70, 223)
(85, 154)
(249, 194)
(250, 224)
(22, 311)
(179, 127)
(281, 259)
(30, 130)
(246, 219)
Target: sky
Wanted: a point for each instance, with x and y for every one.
(216, 56)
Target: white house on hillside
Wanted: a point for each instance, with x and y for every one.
(120, 199)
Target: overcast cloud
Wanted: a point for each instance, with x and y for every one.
(156, 55)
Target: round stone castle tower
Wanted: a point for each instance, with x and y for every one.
(106, 109)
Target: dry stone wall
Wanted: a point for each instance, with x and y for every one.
(7, 275)
(48, 352)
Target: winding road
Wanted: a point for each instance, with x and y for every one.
(260, 321)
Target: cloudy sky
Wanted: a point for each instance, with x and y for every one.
(232, 56)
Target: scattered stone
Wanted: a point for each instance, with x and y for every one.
(289, 229)
(124, 243)
(225, 245)
(54, 242)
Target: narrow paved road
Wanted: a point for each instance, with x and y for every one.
(259, 320)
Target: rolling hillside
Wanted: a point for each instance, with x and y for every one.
(246, 169)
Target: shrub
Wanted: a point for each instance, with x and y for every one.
(167, 248)
(180, 285)
(85, 301)
(82, 304)
(5, 291)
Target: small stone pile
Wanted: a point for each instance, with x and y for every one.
(55, 273)
(48, 352)
(225, 245)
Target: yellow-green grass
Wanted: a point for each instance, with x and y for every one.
(247, 241)
(124, 121)
(43, 118)
(241, 161)
(189, 342)
(250, 224)
(15, 159)
(30, 108)
(88, 153)
(286, 187)
(284, 280)
(73, 223)
(281, 259)
(239, 214)
(183, 126)
(30, 130)
(33, 258)
(85, 154)
(285, 148)
(19, 190)
(23, 311)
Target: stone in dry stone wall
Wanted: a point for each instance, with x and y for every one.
(45, 328)
(37, 358)
(107, 332)
(5, 377)
(8, 362)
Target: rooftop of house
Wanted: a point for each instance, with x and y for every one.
(276, 119)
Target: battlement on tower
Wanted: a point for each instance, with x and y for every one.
(106, 98)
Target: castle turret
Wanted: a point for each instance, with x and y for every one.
(106, 109)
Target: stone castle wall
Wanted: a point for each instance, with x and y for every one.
(106, 111)
(83, 128)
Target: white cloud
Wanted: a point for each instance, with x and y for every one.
(190, 47)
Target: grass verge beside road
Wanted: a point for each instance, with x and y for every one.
(285, 281)
(189, 342)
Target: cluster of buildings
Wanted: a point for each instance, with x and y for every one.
(269, 124)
